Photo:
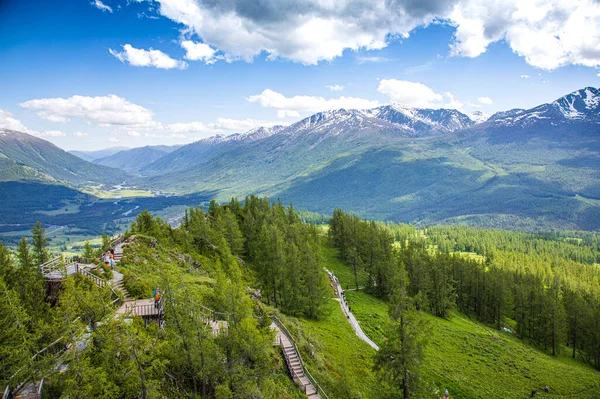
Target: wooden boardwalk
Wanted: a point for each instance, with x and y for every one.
(293, 359)
(58, 269)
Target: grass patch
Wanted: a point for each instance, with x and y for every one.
(473, 360)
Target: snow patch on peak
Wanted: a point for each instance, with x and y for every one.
(261, 132)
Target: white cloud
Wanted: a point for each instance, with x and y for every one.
(101, 6)
(191, 127)
(199, 52)
(241, 125)
(220, 125)
(335, 87)
(284, 113)
(525, 76)
(115, 112)
(452, 103)
(53, 118)
(363, 59)
(547, 33)
(106, 110)
(147, 58)
(485, 100)
(413, 94)
(51, 133)
(8, 122)
(291, 106)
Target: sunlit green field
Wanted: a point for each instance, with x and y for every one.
(472, 360)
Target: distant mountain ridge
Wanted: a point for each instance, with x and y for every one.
(25, 157)
(531, 169)
(93, 155)
(135, 159)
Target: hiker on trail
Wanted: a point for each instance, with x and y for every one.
(547, 388)
(156, 295)
(112, 264)
(106, 259)
(533, 394)
(446, 394)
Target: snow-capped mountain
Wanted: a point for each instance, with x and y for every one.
(259, 133)
(336, 122)
(580, 106)
(506, 114)
(387, 122)
(420, 119)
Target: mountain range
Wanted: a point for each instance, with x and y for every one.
(25, 157)
(528, 169)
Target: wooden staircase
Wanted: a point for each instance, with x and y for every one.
(293, 359)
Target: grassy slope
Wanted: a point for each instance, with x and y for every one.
(472, 360)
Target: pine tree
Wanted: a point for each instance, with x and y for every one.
(24, 254)
(40, 252)
(88, 251)
(400, 358)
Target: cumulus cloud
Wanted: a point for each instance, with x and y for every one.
(114, 112)
(485, 100)
(106, 110)
(199, 52)
(413, 94)
(452, 103)
(146, 58)
(101, 6)
(114, 140)
(8, 122)
(525, 76)
(51, 133)
(291, 106)
(547, 33)
(335, 87)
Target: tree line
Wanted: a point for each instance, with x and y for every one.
(544, 288)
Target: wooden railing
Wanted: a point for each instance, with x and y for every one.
(101, 283)
(307, 373)
(117, 241)
(151, 309)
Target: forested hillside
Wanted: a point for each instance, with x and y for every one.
(481, 312)
(25, 157)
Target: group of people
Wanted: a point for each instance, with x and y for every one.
(338, 289)
(109, 258)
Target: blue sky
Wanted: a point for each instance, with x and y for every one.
(267, 62)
